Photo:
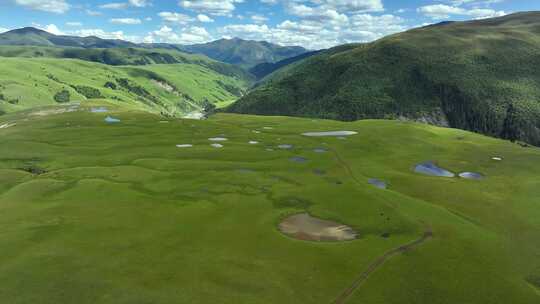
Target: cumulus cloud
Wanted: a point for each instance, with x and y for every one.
(318, 34)
(443, 11)
(101, 34)
(211, 7)
(204, 18)
(3, 30)
(52, 6)
(186, 35)
(175, 17)
(139, 3)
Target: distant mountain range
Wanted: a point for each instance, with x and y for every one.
(37, 37)
(244, 53)
(477, 75)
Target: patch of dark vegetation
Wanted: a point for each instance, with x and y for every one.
(137, 89)
(62, 96)
(234, 90)
(110, 85)
(385, 235)
(33, 170)
(88, 92)
(53, 78)
(208, 107)
(319, 172)
(291, 202)
(534, 280)
(13, 101)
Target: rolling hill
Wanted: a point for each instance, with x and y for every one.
(126, 56)
(170, 89)
(244, 53)
(478, 75)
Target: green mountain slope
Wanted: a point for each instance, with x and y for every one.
(116, 213)
(171, 89)
(126, 56)
(245, 53)
(477, 75)
(262, 70)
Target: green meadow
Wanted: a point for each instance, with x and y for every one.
(96, 212)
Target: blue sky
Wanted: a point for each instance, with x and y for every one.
(311, 23)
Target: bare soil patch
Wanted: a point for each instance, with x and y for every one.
(307, 228)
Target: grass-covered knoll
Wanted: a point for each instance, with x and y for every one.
(171, 89)
(477, 75)
(116, 213)
(125, 56)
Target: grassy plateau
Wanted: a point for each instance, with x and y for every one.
(96, 212)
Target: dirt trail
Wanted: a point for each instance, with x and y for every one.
(363, 276)
(344, 296)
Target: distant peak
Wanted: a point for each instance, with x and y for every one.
(28, 30)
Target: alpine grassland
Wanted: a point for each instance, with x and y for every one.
(104, 203)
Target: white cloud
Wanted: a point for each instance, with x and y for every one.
(100, 33)
(114, 5)
(443, 11)
(52, 6)
(175, 17)
(187, 35)
(51, 28)
(73, 23)
(128, 21)
(211, 7)
(259, 18)
(92, 13)
(3, 30)
(139, 3)
(204, 18)
(317, 13)
(352, 6)
(320, 33)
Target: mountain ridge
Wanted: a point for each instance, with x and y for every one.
(476, 75)
(241, 52)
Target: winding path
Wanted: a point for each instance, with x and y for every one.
(377, 263)
(363, 276)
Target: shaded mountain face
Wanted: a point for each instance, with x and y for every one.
(478, 75)
(37, 37)
(264, 69)
(245, 53)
